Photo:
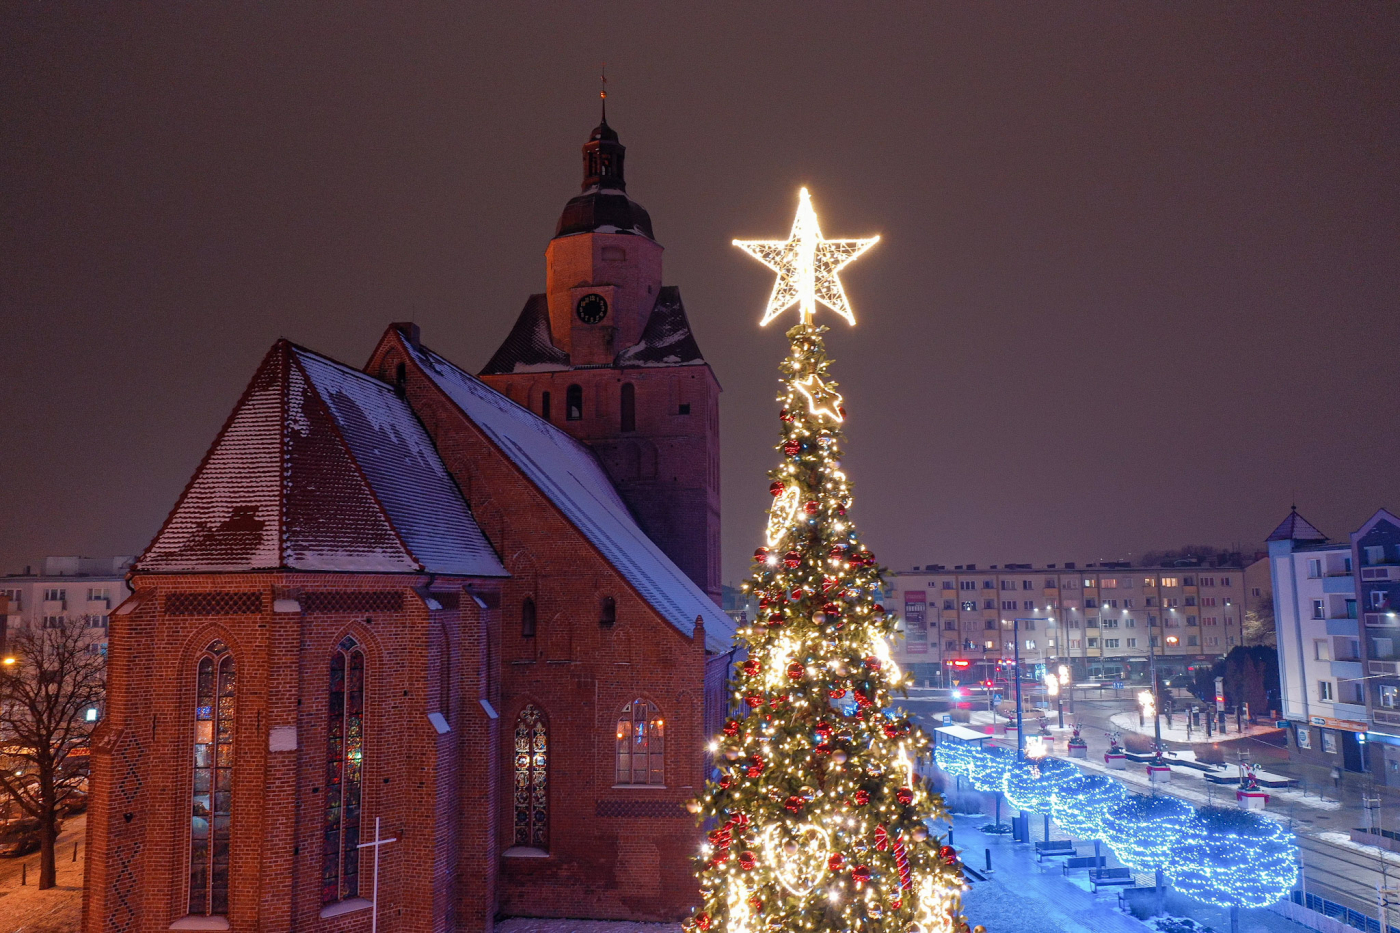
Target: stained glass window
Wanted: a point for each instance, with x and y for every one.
(345, 764)
(641, 744)
(212, 811)
(531, 777)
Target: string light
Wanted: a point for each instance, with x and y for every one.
(818, 821)
(1079, 809)
(807, 265)
(1031, 785)
(1142, 831)
(1234, 858)
(988, 768)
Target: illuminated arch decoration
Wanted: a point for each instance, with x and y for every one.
(1143, 831)
(1079, 810)
(1234, 858)
(1031, 784)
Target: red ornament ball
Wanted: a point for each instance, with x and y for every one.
(702, 920)
(948, 854)
(777, 487)
(873, 663)
(731, 727)
(760, 554)
(726, 781)
(796, 671)
(860, 874)
(754, 700)
(904, 795)
(775, 620)
(891, 730)
(896, 904)
(836, 693)
(795, 803)
(811, 507)
(792, 559)
(791, 448)
(824, 729)
(832, 609)
(861, 797)
(756, 905)
(756, 766)
(751, 667)
(747, 861)
(836, 862)
(785, 415)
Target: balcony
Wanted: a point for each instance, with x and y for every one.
(1384, 667)
(1339, 584)
(1385, 717)
(1347, 670)
(1382, 620)
(1343, 626)
(1356, 712)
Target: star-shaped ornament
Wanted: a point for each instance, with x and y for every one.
(807, 265)
(822, 401)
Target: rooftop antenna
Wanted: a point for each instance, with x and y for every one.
(603, 91)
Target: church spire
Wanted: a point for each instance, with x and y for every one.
(603, 154)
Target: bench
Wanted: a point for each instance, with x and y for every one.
(1053, 849)
(1083, 861)
(1109, 877)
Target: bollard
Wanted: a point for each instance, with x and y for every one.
(23, 874)
(950, 835)
(75, 850)
(988, 853)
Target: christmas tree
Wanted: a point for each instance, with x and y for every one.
(818, 819)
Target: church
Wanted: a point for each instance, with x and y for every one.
(473, 617)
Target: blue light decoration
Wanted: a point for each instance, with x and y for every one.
(1143, 831)
(1079, 808)
(1234, 858)
(954, 757)
(1031, 784)
(988, 766)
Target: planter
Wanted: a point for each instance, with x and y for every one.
(1116, 761)
(1251, 799)
(1159, 774)
(1078, 750)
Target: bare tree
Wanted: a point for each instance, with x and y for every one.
(50, 677)
(1259, 624)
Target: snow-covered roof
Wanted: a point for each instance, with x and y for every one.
(529, 347)
(666, 339)
(569, 475)
(321, 468)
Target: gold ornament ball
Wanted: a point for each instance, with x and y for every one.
(731, 753)
(920, 833)
(839, 757)
(790, 847)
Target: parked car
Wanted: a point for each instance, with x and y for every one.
(23, 844)
(75, 802)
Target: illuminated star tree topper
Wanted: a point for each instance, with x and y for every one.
(807, 265)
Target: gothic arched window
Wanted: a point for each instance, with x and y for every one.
(531, 777)
(641, 744)
(527, 618)
(573, 403)
(629, 407)
(345, 769)
(212, 811)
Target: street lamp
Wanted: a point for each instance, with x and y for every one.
(1016, 646)
(1052, 689)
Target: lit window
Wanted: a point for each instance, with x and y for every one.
(1170, 581)
(211, 816)
(345, 770)
(531, 770)
(640, 744)
(1172, 640)
(1388, 696)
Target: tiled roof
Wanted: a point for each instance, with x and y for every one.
(321, 467)
(1296, 528)
(529, 347)
(569, 475)
(666, 339)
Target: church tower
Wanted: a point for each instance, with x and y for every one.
(607, 354)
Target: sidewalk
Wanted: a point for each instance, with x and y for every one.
(1177, 732)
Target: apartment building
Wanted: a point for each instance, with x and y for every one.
(82, 588)
(1318, 644)
(1375, 554)
(1096, 618)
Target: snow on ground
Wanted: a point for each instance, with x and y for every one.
(1342, 839)
(1128, 722)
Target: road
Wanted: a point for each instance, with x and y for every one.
(73, 831)
(1338, 873)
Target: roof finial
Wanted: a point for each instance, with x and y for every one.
(603, 91)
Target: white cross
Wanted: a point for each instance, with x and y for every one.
(374, 884)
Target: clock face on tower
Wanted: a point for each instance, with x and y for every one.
(592, 308)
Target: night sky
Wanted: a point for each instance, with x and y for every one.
(1137, 283)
